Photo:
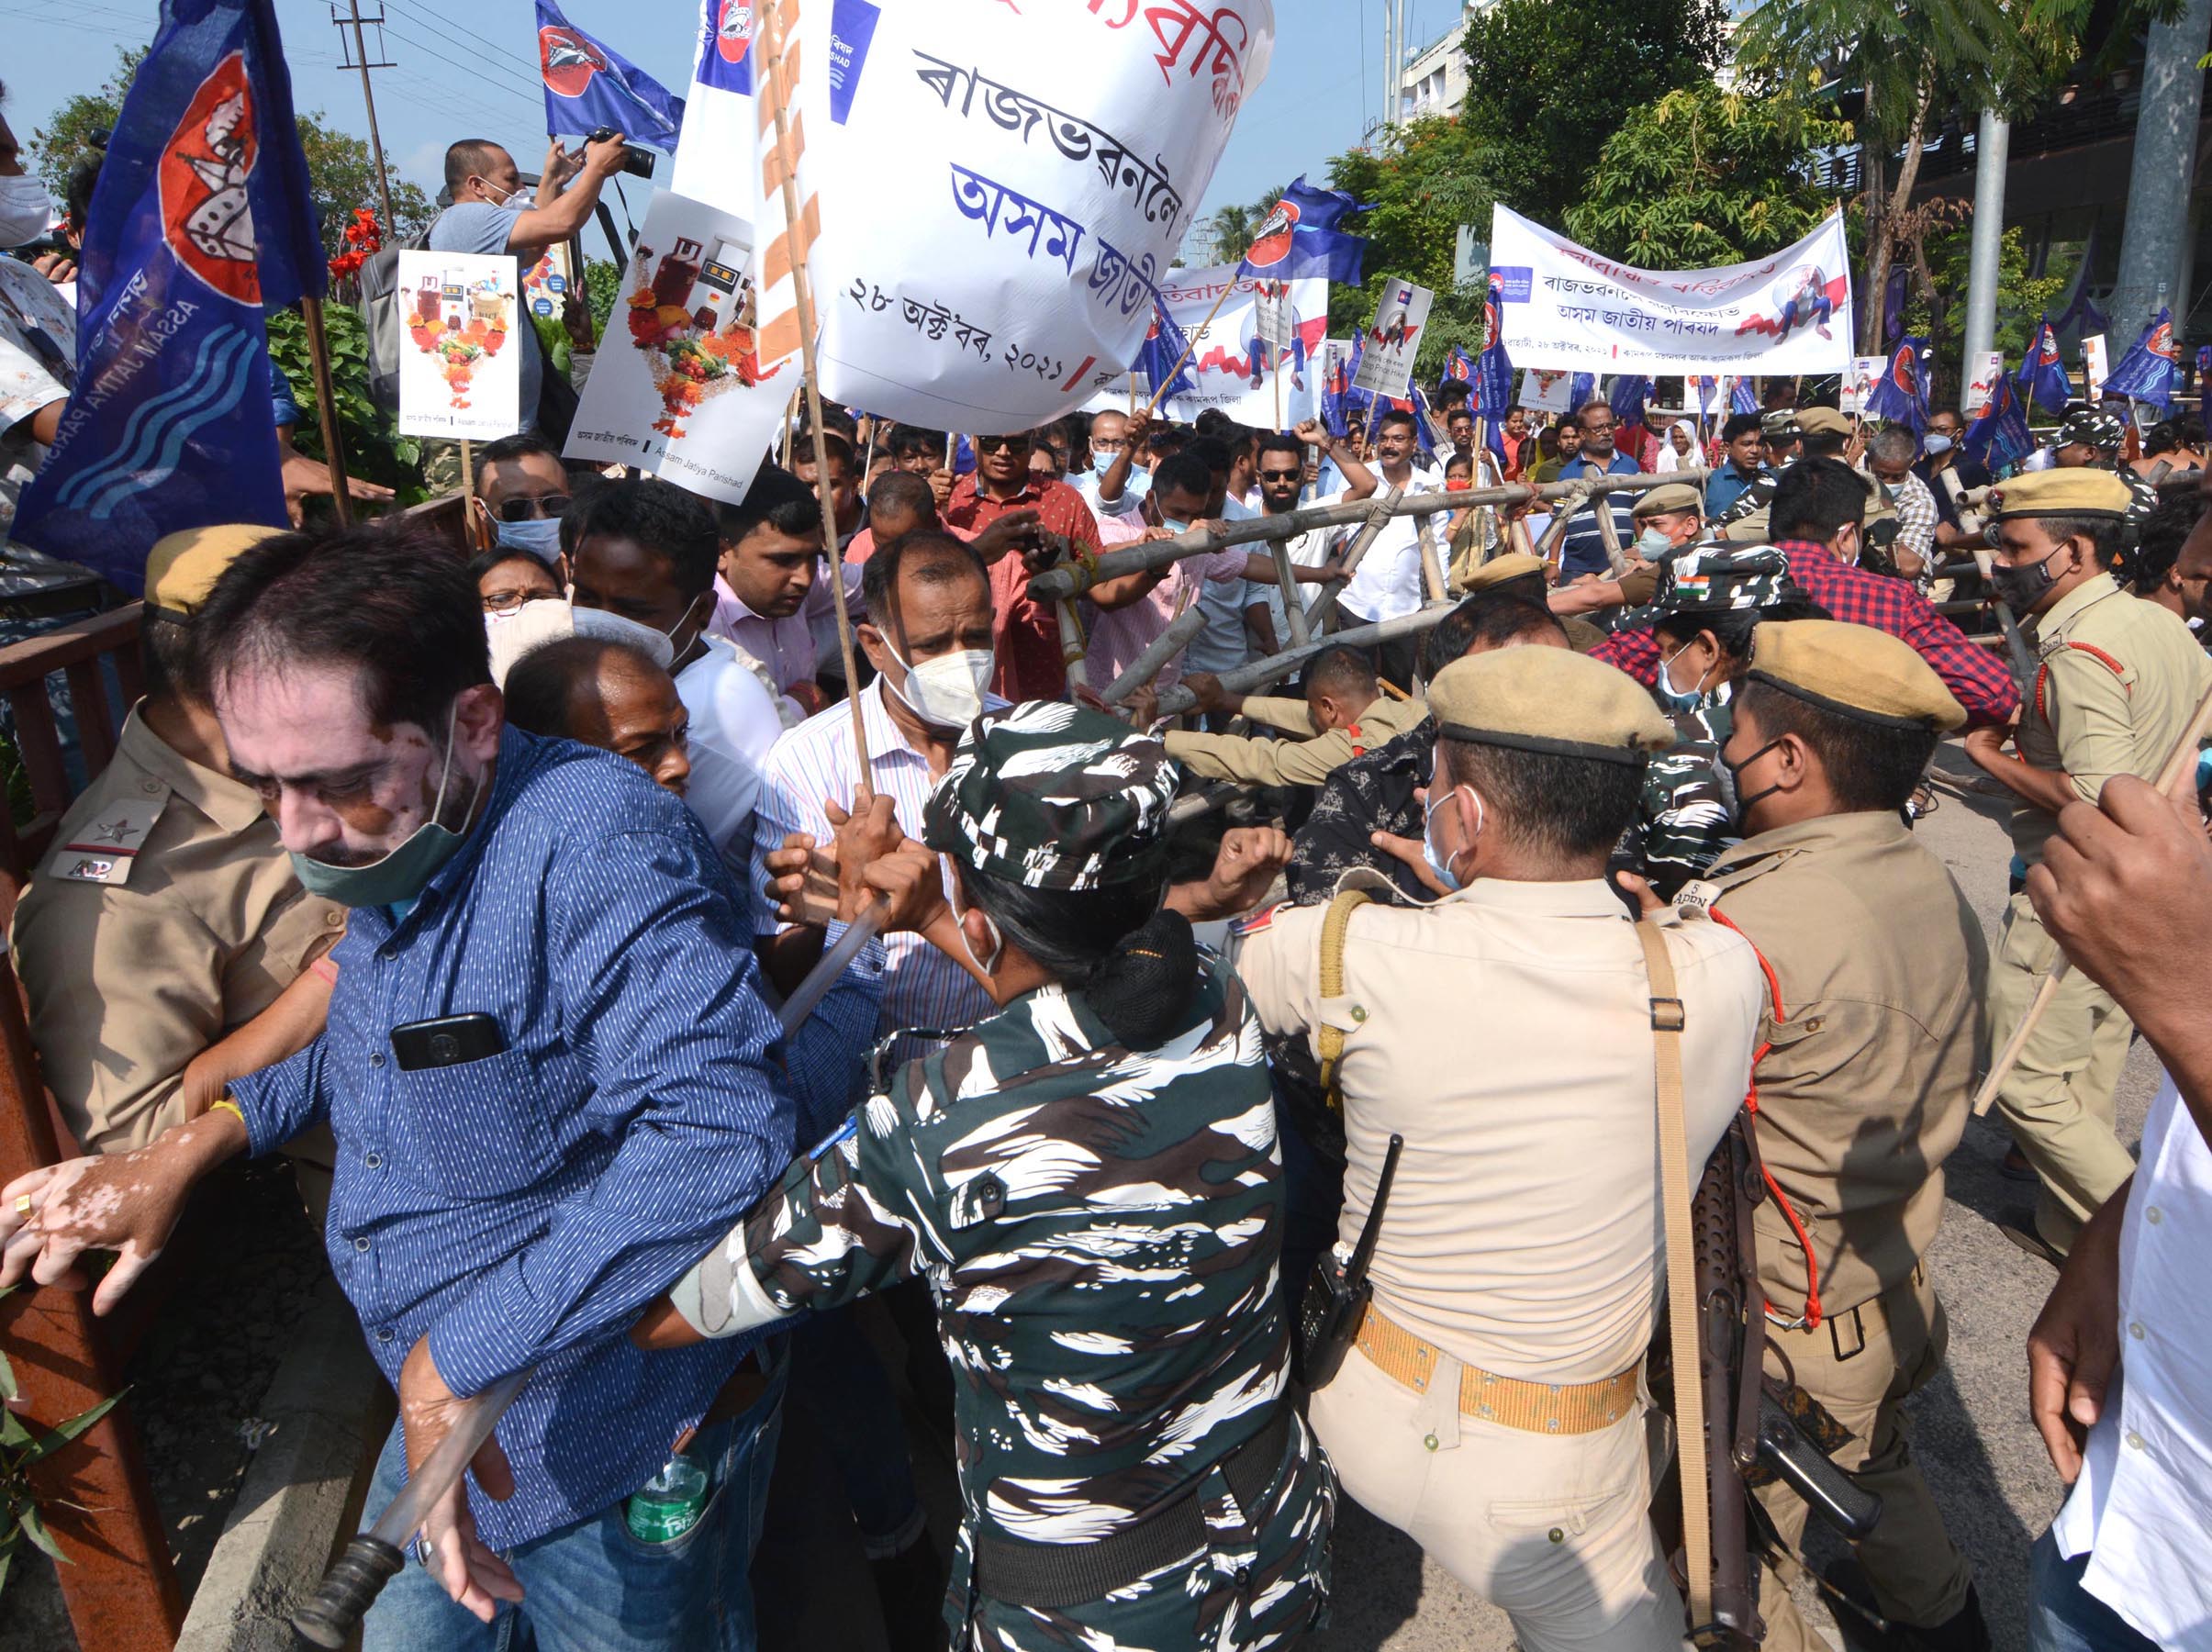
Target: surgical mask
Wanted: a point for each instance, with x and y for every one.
(1173, 524)
(610, 627)
(1934, 443)
(1679, 699)
(1731, 779)
(2022, 588)
(945, 692)
(25, 209)
(514, 198)
(1653, 544)
(540, 536)
(400, 876)
(1436, 863)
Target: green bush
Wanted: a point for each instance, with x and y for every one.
(374, 450)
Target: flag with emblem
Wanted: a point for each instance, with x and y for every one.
(1630, 392)
(2000, 437)
(1899, 394)
(1298, 237)
(588, 84)
(2147, 373)
(201, 223)
(1746, 399)
(2042, 375)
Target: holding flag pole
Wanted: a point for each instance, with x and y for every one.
(326, 416)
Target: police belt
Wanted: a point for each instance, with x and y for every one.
(1068, 1574)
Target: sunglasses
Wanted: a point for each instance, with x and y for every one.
(523, 510)
(1280, 476)
(1003, 444)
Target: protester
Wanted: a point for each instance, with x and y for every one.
(2171, 447)
(2117, 682)
(1387, 581)
(1280, 491)
(1678, 450)
(1115, 484)
(1495, 1384)
(1052, 819)
(1583, 549)
(845, 490)
(1460, 425)
(1342, 714)
(1123, 614)
(517, 1209)
(521, 490)
(1517, 443)
(1819, 511)
(646, 552)
(608, 694)
(507, 579)
(771, 557)
(1567, 447)
(1742, 442)
(1951, 476)
(1025, 633)
(2156, 566)
(1890, 454)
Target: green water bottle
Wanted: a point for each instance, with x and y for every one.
(670, 1504)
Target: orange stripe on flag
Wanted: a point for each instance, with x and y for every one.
(776, 89)
(778, 338)
(779, 160)
(776, 263)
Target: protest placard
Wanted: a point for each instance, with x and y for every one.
(1859, 381)
(2094, 365)
(677, 388)
(1988, 370)
(1547, 389)
(546, 283)
(460, 368)
(1790, 313)
(1229, 366)
(1386, 367)
(1275, 317)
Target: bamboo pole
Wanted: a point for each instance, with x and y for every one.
(468, 470)
(1324, 609)
(1275, 667)
(1072, 643)
(1293, 604)
(776, 88)
(1609, 536)
(1160, 391)
(1278, 355)
(1431, 564)
(325, 413)
(2178, 759)
(1152, 658)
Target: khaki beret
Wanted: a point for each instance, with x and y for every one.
(2081, 491)
(1856, 671)
(1547, 699)
(1823, 421)
(1498, 570)
(1669, 497)
(183, 567)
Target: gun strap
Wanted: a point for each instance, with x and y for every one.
(1681, 1287)
(1329, 1040)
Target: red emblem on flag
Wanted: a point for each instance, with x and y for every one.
(568, 60)
(733, 33)
(1272, 244)
(207, 213)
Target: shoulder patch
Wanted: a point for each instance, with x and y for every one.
(1258, 920)
(107, 847)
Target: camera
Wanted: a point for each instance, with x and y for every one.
(636, 162)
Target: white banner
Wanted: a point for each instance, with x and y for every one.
(1790, 313)
(676, 388)
(1547, 389)
(461, 370)
(1983, 384)
(1228, 367)
(1400, 312)
(1858, 379)
(2094, 365)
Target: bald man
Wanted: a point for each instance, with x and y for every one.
(607, 695)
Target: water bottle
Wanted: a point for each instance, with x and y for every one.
(670, 1504)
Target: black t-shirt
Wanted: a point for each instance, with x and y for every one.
(1971, 474)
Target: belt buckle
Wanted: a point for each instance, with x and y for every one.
(1666, 1015)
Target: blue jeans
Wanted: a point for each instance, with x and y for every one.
(592, 1585)
(2062, 1616)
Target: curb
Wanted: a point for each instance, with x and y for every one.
(328, 1410)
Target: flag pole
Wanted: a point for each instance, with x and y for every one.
(326, 412)
(1278, 355)
(1160, 392)
(776, 90)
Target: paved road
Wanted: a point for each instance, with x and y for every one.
(1970, 1428)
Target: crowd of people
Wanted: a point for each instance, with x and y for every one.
(481, 884)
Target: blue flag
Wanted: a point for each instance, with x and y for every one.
(1630, 392)
(201, 221)
(2000, 437)
(2042, 375)
(1743, 399)
(1581, 390)
(1164, 345)
(1459, 369)
(2146, 373)
(1899, 394)
(1299, 239)
(1493, 396)
(588, 85)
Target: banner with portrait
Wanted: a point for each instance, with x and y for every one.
(1560, 303)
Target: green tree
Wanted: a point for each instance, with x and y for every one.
(1705, 178)
(339, 169)
(1231, 227)
(1425, 182)
(1547, 84)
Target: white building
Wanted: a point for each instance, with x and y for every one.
(1434, 81)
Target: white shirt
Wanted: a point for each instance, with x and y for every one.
(1308, 550)
(1133, 491)
(28, 304)
(734, 723)
(1388, 582)
(2139, 1507)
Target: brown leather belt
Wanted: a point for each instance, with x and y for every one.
(1559, 1408)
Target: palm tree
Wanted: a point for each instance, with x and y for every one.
(1231, 227)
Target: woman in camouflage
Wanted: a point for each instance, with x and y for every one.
(1090, 1183)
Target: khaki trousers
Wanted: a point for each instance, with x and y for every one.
(1551, 1527)
(2058, 1099)
(1861, 1367)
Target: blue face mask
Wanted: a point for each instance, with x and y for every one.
(539, 537)
(1935, 442)
(1678, 701)
(1441, 868)
(401, 876)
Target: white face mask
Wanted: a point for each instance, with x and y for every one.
(945, 692)
(612, 628)
(25, 209)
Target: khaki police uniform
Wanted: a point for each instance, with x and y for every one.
(1505, 1033)
(2116, 681)
(1309, 759)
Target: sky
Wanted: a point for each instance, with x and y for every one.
(470, 70)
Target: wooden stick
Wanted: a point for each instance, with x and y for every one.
(1132, 393)
(1152, 659)
(468, 470)
(791, 417)
(325, 413)
(802, 289)
(1293, 605)
(1160, 391)
(1379, 512)
(952, 445)
(1275, 667)
(1609, 536)
(2178, 760)
(1431, 564)
(1072, 643)
(1278, 355)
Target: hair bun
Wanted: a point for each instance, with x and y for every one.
(1141, 988)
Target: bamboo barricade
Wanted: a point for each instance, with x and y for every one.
(1275, 667)
(1073, 580)
(1324, 605)
(1294, 602)
(1154, 657)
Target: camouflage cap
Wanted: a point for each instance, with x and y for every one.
(1780, 425)
(1550, 700)
(1719, 579)
(2092, 427)
(1856, 671)
(1054, 797)
(2075, 492)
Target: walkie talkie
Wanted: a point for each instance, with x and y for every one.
(1337, 1296)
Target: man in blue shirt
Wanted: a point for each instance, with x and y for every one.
(594, 1105)
(1742, 438)
(1583, 549)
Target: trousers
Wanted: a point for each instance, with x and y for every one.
(1862, 1365)
(2058, 1098)
(1553, 1528)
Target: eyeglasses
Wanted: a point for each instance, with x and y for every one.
(1107, 444)
(1003, 444)
(508, 604)
(1281, 475)
(1596, 429)
(541, 505)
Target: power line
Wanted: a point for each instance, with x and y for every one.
(501, 63)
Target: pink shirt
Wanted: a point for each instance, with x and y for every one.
(785, 646)
(1118, 635)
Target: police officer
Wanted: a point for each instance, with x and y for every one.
(1492, 1407)
(2116, 683)
(1868, 1048)
(1808, 433)
(167, 915)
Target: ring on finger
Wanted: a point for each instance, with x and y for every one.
(423, 1551)
(24, 1206)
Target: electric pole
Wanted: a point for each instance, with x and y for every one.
(361, 60)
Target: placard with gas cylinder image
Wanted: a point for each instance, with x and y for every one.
(460, 363)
